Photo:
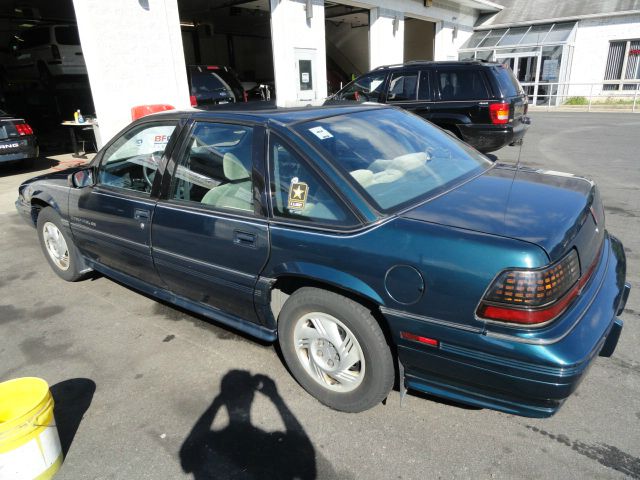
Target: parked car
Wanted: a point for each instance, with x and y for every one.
(361, 238)
(46, 53)
(214, 85)
(481, 103)
(17, 141)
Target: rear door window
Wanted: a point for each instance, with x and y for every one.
(467, 84)
(402, 87)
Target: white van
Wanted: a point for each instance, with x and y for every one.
(47, 52)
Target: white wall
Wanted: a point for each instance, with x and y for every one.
(134, 56)
(386, 47)
(592, 49)
(290, 30)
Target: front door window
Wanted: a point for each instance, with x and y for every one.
(132, 160)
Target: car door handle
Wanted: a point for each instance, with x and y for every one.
(245, 239)
(140, 214)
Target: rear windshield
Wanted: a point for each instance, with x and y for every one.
(509, 86)
(67, 36)
(396, 157)
(206, 82)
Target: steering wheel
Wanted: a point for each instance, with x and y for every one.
(149, 173)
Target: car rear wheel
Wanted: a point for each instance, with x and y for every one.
(58, 247)
(335, 349)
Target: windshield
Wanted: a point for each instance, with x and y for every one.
(397, 158)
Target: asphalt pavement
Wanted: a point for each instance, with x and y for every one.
(145, 390)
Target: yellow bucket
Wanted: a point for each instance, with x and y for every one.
(29, 443)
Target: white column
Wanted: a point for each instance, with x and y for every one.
(133, 51)
(386, 37)
(449, 38)
(298, 33)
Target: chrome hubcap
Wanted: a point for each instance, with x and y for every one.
(56, 245)
(329, 352)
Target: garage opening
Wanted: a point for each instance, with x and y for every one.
(347, 43)
(231, 41)
(419, 39)
(43, 77)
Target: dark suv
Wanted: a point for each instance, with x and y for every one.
(481, 103)
(214, 85)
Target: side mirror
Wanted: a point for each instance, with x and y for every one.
(82, 178)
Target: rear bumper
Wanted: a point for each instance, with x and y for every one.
(528, 376)
(28, 148)
(488, 138)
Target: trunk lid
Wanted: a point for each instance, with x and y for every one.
(554, 210)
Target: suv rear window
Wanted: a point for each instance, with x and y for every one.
(461, 85)
(67, 36)
(509, 86)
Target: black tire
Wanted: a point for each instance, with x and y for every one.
(76, 269)
(378, 376)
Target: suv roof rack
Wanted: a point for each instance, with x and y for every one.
(428, 62)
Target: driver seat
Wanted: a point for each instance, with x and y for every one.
(236, 193)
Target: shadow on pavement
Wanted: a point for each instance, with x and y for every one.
(72, 399)
(241, 450)
(27, 166)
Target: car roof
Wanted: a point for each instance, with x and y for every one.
(283, 116)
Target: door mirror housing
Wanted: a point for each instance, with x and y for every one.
(83, 178)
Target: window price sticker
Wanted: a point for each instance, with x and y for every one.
(321, 133)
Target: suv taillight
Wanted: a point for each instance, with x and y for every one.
(55, 52)
(532, 297)
(24, 129)
(245, 96)
(499, 113)
(193, 100)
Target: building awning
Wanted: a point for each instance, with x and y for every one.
(547, 34)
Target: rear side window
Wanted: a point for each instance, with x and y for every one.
(461, 85)
(509, 86)
(34, 38)
(67, 36)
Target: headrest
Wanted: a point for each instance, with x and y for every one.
(233, 167)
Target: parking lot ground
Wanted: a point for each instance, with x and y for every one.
(145, 390)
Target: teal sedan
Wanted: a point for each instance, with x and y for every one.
(373, 247)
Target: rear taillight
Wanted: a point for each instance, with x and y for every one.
(55, 52)
(193, 100)
(24, 129)
(533, 297)
(245, 96)
(499, 113)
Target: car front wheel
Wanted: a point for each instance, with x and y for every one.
(335, 349)
(58, 247)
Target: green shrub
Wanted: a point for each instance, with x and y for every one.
(576, 101)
